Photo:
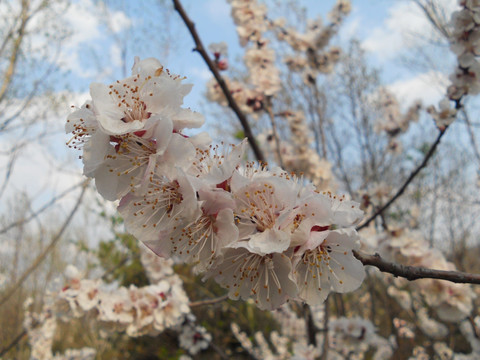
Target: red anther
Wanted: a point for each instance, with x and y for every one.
(319, 228)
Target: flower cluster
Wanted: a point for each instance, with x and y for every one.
(391, 120)
(442, 351)
(249, 16)
(451, 301)
(40, 329)
(465, 43)
(148, 310)
(297, 156)
(311, 58)
(347, 338)
(138, 311)
(262, 234)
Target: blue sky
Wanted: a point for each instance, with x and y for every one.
(379, 24)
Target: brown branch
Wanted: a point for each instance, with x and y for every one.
(12, 62)
(412, 176)
(51, 202)
(209, 301)
(213, 68)
(416, 272)
(274, 131)
(45, 252)
(310, 325)
(14, 342)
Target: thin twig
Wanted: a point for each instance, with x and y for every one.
(209, 301)
(213, 68)
(51, 202)
(14, 342)
(412, 176)
(416, 272)
(45, 252)
(473, 140)
(219, 351)
(326, 319)
(274, 131)
(310, 325)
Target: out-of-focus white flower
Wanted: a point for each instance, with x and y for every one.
(445, 115)
(194, 338)
(219, 49)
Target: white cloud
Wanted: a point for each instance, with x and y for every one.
(45, 166)
(201, 73)
(89, 28)
(428, 87)
(405, 27)
(350, 28)
(83, 21)
(119, 21)
(116, 55)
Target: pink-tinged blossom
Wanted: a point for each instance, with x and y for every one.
(213, 167)
(326, 263)
(163, 206)
(185, 199)
(86, 137)
(264, 211)
(142, 100)
(267, 279)
(201, 240)
(131, 126)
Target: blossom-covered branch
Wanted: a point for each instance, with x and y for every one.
(226, 91)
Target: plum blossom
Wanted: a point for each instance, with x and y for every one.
(128, 124)
(262, 234)
(194, 338)
(326, 263)
(445, 115)
(265, 278)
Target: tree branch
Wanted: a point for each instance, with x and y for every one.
(14, 342)
(412, 176)
(12, 62)
(213, 68)
(415, 272)
(45, 252)
(209, 301)
(51, 202)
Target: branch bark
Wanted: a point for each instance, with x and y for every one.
(209, 301)
(412, 176)
(213, 68)
(17, 42)
(416, 272)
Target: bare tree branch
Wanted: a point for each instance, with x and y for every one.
(209, 301)
(416, 272)
(17, 42)
(45, 252)
(412, 176)
(52, 201)
(14, 342)
(211, 65)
